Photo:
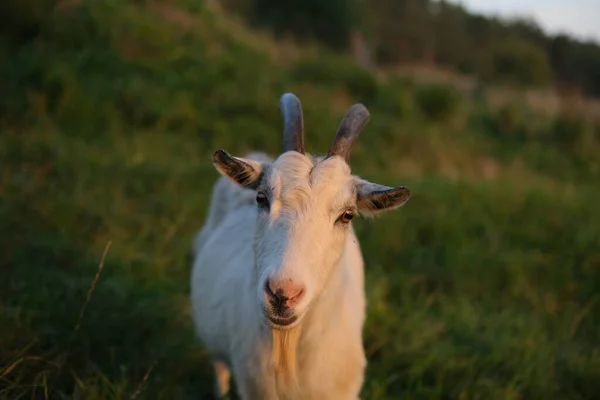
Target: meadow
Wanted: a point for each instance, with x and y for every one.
(484, 286)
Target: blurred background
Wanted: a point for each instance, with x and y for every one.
(484, 286)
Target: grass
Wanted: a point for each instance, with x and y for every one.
(484, 286)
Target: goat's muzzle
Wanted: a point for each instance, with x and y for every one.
(279, 301)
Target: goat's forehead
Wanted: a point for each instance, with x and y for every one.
(293, 172)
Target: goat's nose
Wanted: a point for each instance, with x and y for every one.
(287, 292)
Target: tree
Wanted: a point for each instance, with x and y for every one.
(452, 41)
(330, 21)
(517, 61)
(402, 30)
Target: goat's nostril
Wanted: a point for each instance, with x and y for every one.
(296, 293)
(289, 292)
(280, 295)
(270, 289)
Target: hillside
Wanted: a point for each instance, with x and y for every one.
(512, 51)
(483, 286)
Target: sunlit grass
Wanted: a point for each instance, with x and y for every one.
(483, 286)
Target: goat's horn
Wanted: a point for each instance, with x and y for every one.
(353, 123)
(293, 123)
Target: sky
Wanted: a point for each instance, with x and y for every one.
(579, 18)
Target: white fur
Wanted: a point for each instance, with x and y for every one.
(298, 239)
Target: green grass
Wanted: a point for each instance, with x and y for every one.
(481, 287)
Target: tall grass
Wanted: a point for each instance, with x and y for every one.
(483, 286)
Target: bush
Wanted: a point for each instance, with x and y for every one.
(22, 20)
(394, 97)
(436, 101)
(338, 71)
(510, 121)
(327, 21)
(517, 62)
(567, 130)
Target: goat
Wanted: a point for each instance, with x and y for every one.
(277, 285)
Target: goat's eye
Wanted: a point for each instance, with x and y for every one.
(346, 217)
(261, 199)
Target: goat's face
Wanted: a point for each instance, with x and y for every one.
(304, 210)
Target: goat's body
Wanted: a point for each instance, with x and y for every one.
(230, 323)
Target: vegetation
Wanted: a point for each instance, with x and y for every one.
(441, 33)
(484, 286)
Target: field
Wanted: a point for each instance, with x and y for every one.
(484, 286)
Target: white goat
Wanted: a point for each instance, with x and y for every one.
(277, 285)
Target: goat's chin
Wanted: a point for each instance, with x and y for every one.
(279, 323)
(283, 324)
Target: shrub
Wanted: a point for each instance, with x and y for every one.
(338, 71)
(22, 20)
(518, 62)
(327, 21)
(567, 130)
(393, 97)
(511, 121)
(436, 101)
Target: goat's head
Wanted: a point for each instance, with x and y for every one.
(304, 210)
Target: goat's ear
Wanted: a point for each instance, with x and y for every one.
(372, 198)
(245, 172)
